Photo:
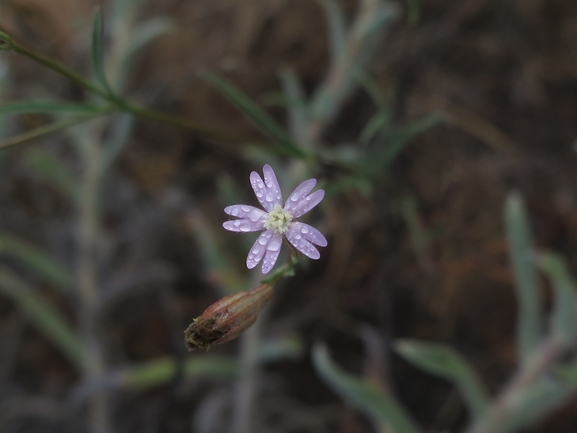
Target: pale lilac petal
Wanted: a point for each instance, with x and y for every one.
(267, 192)
(299, 194)
(307, 203)
(246, 212)
(258, 249)
(272, 252)
(272, 184)
(243, 225)
(309, 233)
(300, 243)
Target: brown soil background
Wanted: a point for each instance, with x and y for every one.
(504, 75)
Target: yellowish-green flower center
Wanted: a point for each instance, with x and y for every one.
(278, 219)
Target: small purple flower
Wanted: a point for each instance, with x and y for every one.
(277, 220)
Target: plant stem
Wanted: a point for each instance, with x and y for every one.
(117, 100)
(99, 413)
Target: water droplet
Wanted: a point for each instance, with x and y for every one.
(259, 193)
(269, 196)
(236, 223)
(262, 241)
(274, 245)
(245, 208)
(254, 215)
(245, 228)
(255, 250)
(308, 198)
(294, 197)
(304, 230)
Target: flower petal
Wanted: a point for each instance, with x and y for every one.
(307, 203)
(309, 233)
(243, 225)
(300, 243)
(258, 249)
(246, 212)
(272, 252)
(267, 192)
(299, 194)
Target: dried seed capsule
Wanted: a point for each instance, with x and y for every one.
(227, 318)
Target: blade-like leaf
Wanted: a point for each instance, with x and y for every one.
(97, 51)
(48, 107)
(161, 371)
(443, 361)
(54, 171)
(529, 328)
(402, 138)
(380, 407)
(253, 112)
(564, 320)
(53, 127)
(44, 315)
(37, 261)
(297, 104)
(337, 29)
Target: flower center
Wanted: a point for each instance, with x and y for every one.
(278, 219)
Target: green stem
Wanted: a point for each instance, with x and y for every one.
(7, 43)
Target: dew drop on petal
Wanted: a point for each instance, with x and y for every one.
(304, 230)
(269, 196)
(274, 245)
(254, 215)
(245, 228)
(294, 197)
(259, 193)
(236, 223)
(245, 208)
(262, 241)
(255, 250)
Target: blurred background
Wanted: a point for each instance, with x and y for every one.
(430, 113)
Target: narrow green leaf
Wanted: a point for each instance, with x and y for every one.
(529, 328)
(37, 261)
(564, 320)
(55, 172)
(6, 43)
(29, 107)
(161, 371)
(44, 315)
(297, 104)
(97, 51)
(533, 404)
(379, 406)
(146, 32)
(53, 127)
(445, 362)
(254, 113)
(400, 140)
(337, 29)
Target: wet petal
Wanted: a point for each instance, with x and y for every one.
(245, 211)
(299, 193)
(267, 192)
(309, 233)
(272, 252)
(243, 225)
(307, 203)
(300, 243)
(258, 249)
